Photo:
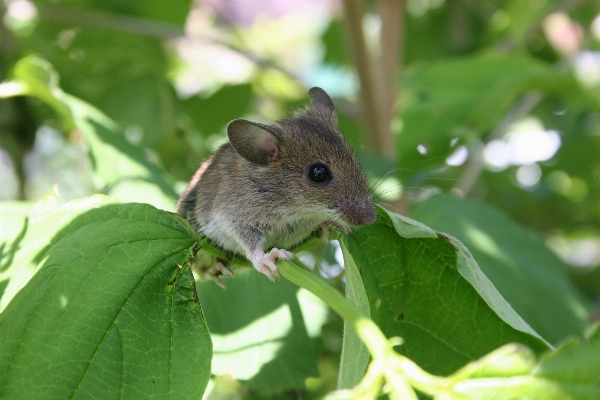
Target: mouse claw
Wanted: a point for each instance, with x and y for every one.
(265, 263)
(211, 268)
(223, 269)
(218, 281)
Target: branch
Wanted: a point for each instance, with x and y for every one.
(397, 371)
(364, 67)
(391, 13)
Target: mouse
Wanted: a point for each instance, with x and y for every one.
(274, 184)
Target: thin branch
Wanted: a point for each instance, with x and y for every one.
(391, 13)
(460, 32)
(475, 166)
(364, 68)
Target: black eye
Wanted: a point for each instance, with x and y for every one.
(318, 173)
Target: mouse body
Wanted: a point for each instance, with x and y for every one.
(274, 184)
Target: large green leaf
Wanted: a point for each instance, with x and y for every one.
(511, 372)
(575, 366)
(23, 252)
(263, 332)
(13, 216)
(101, 59)
(426, 288)
(111, 313)
(113, 158)
(214, 112)
(529, 276)
(355, 356)
(466, 97)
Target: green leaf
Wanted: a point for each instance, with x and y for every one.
(25, 252)
(142, 191)
(43, 82)
(575, 366)
(111, 54)
(571, 372)
(12, 215)
(509, 254)
(144, 104)
(212, 113)
(521, 16)
(263, 331)
(430, 291)
(172, 13)
(466, 97)
(113, 158)
(355, 356)
(110, 314)
(335, 46)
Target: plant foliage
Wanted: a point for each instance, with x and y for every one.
(489, 294)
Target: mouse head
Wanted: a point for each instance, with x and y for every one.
(308, 154)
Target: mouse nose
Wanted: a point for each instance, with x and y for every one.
(358, 212)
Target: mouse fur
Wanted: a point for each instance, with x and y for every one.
(255, 192)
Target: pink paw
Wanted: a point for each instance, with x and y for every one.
(265, 263)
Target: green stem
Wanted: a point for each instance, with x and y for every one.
(366, 329)
(13, 89)
(385, 360)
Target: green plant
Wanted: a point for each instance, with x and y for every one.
(461, 300)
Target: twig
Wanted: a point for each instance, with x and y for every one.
(364, 68)
(391, 13)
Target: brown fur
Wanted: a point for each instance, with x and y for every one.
(272, 202)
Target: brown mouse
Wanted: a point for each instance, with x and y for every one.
(275, 183)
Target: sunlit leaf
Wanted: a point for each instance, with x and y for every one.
(263, 332)
(529, 276)
(467, 97)
(111, 313)
(113, 158)
(426, 288)
(570, 372)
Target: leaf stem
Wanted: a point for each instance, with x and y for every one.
(397, 370)
(13, 89)
(366, 329)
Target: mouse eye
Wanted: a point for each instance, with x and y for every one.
(318, 173)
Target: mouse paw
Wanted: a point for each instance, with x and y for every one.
(218, 269)
(266, 262)
(207, 267)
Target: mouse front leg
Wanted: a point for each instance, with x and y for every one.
(252, 240)
(216, 270)
(265, 263)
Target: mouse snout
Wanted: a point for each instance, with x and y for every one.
(358, 212)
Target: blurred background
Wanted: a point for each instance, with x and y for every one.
(480, 118)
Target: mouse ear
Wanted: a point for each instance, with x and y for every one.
(322, 103)
(253, 141)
